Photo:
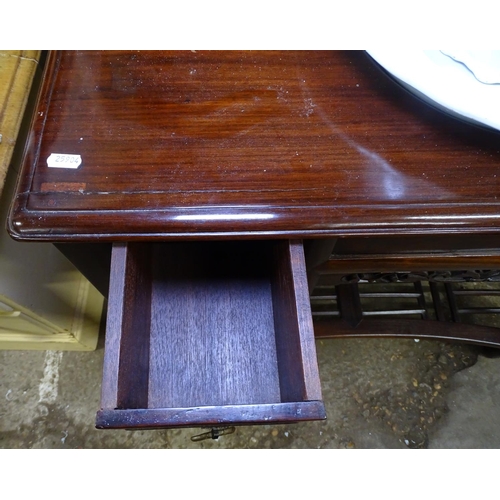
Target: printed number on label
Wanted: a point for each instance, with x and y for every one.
(57, 160)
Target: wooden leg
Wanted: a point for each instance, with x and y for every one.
(438, 306)
(349, 303)
(317, 252)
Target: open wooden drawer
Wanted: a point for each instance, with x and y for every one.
(209, 334)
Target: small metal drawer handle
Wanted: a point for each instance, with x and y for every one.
(214, 433)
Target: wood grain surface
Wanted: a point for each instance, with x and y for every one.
(247, 144)
(160, 418)
(212, 331)
(214, 325)
(410, 329)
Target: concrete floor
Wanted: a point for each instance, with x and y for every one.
(379, 393)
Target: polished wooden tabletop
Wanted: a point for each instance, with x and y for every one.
(236, 144)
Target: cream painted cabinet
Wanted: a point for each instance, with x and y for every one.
(45, 303)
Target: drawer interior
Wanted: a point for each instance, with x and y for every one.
(206, 333)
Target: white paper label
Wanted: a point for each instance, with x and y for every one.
(57, 160)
